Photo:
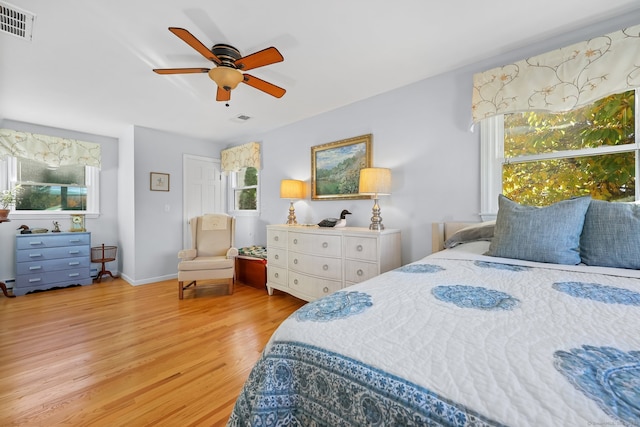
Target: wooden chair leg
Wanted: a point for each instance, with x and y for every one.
(231, 286)
(180, 290)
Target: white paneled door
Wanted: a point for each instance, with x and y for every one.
(203, 190)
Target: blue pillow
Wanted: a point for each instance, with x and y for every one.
(611, 235)
(548, 234)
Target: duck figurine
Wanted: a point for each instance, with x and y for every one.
(336, 222)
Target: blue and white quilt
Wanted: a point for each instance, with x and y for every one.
(457, 339)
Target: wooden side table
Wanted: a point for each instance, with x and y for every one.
(3, 287)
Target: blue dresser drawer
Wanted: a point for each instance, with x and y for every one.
(33, 254)
(26, 241)
(78, 276)
(52, 265)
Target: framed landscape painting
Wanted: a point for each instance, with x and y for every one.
(335, 168)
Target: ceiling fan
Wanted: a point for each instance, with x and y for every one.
(228, 72)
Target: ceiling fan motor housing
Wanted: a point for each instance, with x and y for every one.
(227, 54)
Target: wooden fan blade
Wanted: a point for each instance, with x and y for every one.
(192, 41)
(223, 95)
(180, 70)
(264, 57)
(266, 87)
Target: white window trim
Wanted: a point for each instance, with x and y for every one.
(492, 159)
(231, 196)
(8, 174)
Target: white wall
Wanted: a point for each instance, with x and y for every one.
(422, 132)
(156, 236)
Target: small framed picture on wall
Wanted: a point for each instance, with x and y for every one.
(159, 181)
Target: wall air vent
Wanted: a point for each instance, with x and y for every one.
(16, 21)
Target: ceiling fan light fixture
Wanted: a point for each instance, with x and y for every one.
(226, 77)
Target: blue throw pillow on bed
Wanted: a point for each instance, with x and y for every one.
(548, 234)
(611, 235)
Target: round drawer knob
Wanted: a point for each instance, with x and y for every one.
(276, 275)
(360, 272)
(359, 248)
(295, 261)
(295, 281)
(325, 245)
(276, 238)
(325, 267)
(325, 290)
(295, 241)
(276, 256)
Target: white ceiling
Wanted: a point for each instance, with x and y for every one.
(88, 67)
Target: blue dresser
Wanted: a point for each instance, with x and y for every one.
(49, 260)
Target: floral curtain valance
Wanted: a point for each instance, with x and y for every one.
(240, 157)
(53, 151)
(563, 79)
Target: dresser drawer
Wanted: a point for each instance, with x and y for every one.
(276, 275)
(329, 268)
(75, 276)
(320, 244)
(35, 254)
(277, 257)
(358, 271)
(52, 265)
(52, 240)
(312, 286)
(365, 248)
(276, 238)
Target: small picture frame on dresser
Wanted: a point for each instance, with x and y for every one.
(77, 223)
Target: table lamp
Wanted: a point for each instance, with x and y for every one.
(375, 182)
(292, 189)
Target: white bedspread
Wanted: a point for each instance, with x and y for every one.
(458, 338)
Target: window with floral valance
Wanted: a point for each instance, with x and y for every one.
(582, 77)
(563, 79)
(54, 151)
(54, 174)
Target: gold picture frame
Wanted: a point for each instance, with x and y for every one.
(335, 168)
(159, 181)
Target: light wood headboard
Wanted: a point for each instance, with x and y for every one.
(441, 231)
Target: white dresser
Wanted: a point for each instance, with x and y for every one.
(311, 262)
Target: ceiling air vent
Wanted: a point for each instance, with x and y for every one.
(241, 118)
(16, 21)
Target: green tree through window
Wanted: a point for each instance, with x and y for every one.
(588, 151)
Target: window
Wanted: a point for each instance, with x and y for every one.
(244, 190)
(47, 190)
(538, 158)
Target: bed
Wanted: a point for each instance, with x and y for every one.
(463, 337)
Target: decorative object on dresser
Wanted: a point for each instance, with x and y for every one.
(77, 223)
(375, 182)
(336, 222)
(45, 261)
(292, 189)
(309, 263)
(335, 168)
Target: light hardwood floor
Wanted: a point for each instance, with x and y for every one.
(111, 354)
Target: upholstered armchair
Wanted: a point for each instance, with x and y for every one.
(212, 253)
